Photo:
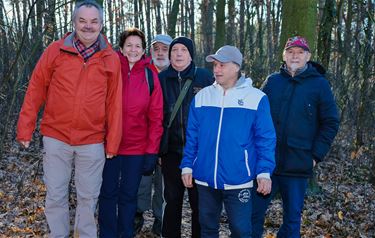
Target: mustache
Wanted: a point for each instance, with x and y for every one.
(85, 28)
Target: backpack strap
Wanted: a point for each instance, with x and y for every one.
(180, 98)
(149, 80)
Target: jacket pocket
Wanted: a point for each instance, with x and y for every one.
(298, 159)
(299, 143)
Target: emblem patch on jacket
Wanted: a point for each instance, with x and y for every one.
(244, 195)
(240, 102)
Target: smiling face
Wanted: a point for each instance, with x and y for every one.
(87, 25)
(295, 58)
(133, 49)
(180, 57)
(226, 74)
(159, 53)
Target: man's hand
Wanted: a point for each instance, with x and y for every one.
(264, 186)
(25, 143)
(187, 179)
(109, 156)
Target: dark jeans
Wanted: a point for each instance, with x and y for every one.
(237, 204)
(118, 195)
(292, 191)
(173, 198)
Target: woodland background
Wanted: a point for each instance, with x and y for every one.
(341, 201)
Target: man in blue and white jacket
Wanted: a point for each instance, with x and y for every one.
(230, 141)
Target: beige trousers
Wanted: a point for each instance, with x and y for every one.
(58, 160)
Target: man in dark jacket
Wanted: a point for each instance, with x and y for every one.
(182, 68)
(306, 120)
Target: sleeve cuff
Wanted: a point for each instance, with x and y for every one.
(264, 175)
(186, 170)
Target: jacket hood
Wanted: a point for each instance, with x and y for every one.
(313, 69)
(241, 82)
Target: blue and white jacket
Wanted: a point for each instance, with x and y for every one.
(230, 138)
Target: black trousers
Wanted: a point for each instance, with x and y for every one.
(173, 198)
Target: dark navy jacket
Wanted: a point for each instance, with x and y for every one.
(305, 117)
(172, 83)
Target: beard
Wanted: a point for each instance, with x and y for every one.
(293, 67)
(161, 63)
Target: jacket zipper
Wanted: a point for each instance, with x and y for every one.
(181, 113)
(217, 141)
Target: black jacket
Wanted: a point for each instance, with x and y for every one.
(172, 83)
(305, 117)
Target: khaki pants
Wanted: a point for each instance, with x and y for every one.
(58, 159)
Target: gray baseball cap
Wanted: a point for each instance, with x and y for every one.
(226, 54)
(165, 39)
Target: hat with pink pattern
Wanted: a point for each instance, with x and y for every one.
(297, 41)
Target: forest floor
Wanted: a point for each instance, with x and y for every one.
(344, 206)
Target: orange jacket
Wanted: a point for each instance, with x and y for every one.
(82, 99)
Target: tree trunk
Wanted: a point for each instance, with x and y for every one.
(269, 37)
(3, 44)
(181, 31)
(325, 32)
(172, 18)
(142, 26)
(148, 22)
(110, 20)
(50, 22)
(191, 20)
(158, 17)
(299, 18)
(276, 33)
(207, 13)
(242, 27)
(220, 24)
(231, 33)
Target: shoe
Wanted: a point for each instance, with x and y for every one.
(138, 222)
(156, 227)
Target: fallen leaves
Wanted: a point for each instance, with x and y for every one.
(345, 207)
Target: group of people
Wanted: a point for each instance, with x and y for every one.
(128, 121)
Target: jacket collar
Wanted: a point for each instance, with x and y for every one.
(68, 44)
(187, 73)
(242, 82)
(312, 69)
(138, 66)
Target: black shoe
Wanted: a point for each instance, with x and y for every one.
(156, 227)
(138, 222)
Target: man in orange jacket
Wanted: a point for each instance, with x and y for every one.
(78, 78)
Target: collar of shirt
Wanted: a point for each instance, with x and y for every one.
(86, 52)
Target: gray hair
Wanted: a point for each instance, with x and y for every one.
(88, 3)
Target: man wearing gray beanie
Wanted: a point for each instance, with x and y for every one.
(181, 76)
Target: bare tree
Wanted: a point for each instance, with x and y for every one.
(207, 16)
(231, 28)
(172, 18)
(220, 24)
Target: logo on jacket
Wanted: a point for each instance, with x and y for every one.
(244, 195)
(240, 102)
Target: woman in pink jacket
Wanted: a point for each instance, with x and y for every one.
(141, 132)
